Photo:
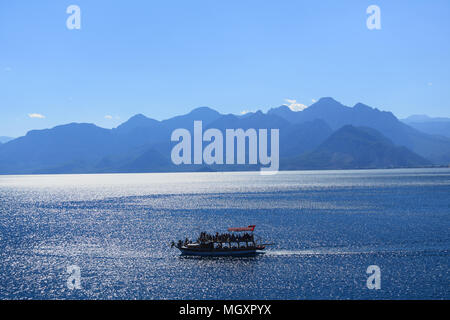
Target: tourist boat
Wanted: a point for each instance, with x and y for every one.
(238, 242)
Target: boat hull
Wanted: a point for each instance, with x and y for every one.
(219, 253)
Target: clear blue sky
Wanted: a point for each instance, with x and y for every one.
(165, 58)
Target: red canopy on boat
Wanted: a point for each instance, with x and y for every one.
(249, 228)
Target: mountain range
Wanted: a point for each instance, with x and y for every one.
(326, 135)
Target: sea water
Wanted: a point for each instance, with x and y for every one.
(327, 228)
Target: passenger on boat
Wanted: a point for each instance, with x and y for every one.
(223, 238)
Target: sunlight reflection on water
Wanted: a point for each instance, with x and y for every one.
(117, 228)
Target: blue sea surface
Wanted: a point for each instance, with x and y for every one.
(327, 227)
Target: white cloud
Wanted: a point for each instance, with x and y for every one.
(314, 100)
(36, 115)
(430, 83)
(109, 117)
(246, 111)
(294, 105)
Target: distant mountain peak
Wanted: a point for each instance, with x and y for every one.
(424, 118)
(327, 100)
(418, 117)
(282, 111)
(360, 105)
(138, 116)
(326, 103)
(203, 110)
(136, 121)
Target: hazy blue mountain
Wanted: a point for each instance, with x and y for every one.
(285, 113)
(336, 115)
(424, 118)
(149, 161)
(4, 139)
(435, 126)
(295, 138)
(303, 137)
(67, 148)
(356, 147)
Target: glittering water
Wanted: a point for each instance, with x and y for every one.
(327, 226)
